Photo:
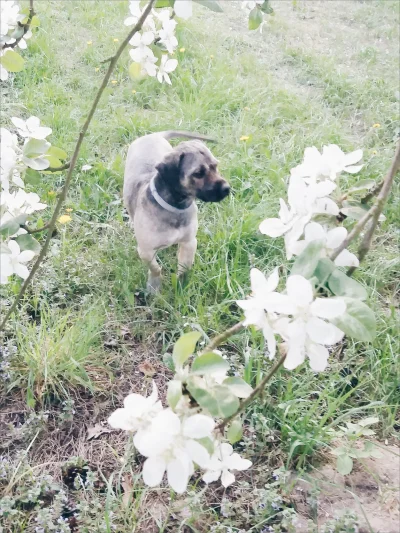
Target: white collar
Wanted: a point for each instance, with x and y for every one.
(161, 202)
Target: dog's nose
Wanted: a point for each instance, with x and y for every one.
(225, 190)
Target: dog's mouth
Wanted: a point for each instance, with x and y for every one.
(216, 194)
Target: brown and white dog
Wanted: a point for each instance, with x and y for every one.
(161, 184)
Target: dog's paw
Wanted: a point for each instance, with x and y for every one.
(154, 284)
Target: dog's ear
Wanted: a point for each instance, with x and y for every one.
(170, 167)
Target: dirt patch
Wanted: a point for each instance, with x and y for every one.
(372, 491)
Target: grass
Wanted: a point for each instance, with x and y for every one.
(285, 96)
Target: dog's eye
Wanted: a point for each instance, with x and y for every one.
(199, 174)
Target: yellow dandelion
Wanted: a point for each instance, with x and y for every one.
(133, 91)
(97, 69)
(376, 126)
(69, 209)
(211, 56)
(64, 219)
(89, 43)
(51, 194)
(182, 50)
(247, 108)
(244, 138)
(114, 82)
(116, 40)
(374, 152)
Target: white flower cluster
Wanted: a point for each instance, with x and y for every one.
(176, 441)
(16, 204)
(300, 319)
(158, 28)
(10, 30)
(310, 185)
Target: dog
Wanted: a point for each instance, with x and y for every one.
(161, 184)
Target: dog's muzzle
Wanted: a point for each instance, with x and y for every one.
(217, 193)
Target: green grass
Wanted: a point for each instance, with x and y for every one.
(224, 88)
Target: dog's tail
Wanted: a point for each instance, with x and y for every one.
(171, 134)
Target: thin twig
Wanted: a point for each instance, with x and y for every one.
(219, 339)
(256, 392)
(26, 27)
(35, 230)
(58, 169)
(74, 158)
(377, 208)
(373, 192)
(374, 211)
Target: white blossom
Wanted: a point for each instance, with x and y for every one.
(13, 263)
(31, 128)
(167, 66)
(222, 462)
(171, 446)
(332, 239)
(9, 16)
(306, 332)
(142, 54)
(254, 307)
(136, 12)
(167, 35)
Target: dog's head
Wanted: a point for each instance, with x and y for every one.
(191, 170)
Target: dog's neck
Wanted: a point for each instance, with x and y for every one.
(175, 198)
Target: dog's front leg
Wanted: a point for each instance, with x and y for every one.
(154, 279)
(186, 253)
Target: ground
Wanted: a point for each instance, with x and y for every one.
(87, 333)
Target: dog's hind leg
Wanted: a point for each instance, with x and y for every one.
(186, 253)
(154, 279)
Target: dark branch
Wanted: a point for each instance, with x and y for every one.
(57, 169)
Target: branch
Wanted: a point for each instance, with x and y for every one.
(35, 230)
(26, 27)
(74, 158)
(256, 392)
(373, 213)
(57, 169)
(373, 192)
(219, 339)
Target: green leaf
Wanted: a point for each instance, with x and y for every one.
(32, 176)
(235, 431)
(9, 228)
(35, 22)
(209, 363)
(228, 403)
(184, 347)
(213, 5)
(135, 71)
(363, 185)
(355, 212)
(30, 398)
(307, 261)
(266, 7)
(157, 51)
(203, 397)
(174, 393)
(358, 321)
(53, 161)
(238, 386)
(168, 361)
(57, 152)
(255, 18)
(35, 148)
(4, 249)
(339, 451)
(27, 242)
(344, 464)
(207, 443)
(324, 269)
(342, 285)
(12, 61)
(368, 421)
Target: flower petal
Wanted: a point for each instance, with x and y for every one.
(153, 471)
(347, 259)
(197, 453)
(21, 271)
(270, 338)
(353, 169)
(352, 157)
(25, 256)
(328, 307)
(227, 478)
(318, 356)
(178, 474)
(314, 232)
(326, 206)
(135, 404)
(322, 332)
(299, 290)
(198, 426)
(335, 237)
(276, 302)
(235, 462)
(273, 227)
(183, 8)
(171, 65)
(120, 419)
(324, 188)
(211, 475)
(166, 423)
(225, 450)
